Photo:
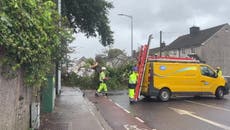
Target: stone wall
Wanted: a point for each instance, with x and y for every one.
(15, 100)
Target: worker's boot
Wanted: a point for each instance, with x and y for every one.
(131, 100)
(96, 94)
(106, 94)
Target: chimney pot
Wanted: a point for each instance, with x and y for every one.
(194, 30)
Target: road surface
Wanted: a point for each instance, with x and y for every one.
(187, 113)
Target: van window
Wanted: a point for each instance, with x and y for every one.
(206, 71)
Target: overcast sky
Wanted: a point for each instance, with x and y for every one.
(172, 17)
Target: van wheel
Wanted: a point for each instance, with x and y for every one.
(219, 93)
(164, 95)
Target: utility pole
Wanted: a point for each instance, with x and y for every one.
(131, 36)
(160, 42)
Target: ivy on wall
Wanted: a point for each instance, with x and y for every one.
(31, 38)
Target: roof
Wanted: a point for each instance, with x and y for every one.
(192, 40)
(152, 51)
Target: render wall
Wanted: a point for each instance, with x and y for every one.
(216, 50)
(15, 102)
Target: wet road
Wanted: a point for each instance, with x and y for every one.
(204, 113)
(114, 114)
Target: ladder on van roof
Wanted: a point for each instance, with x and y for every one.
(142, 60)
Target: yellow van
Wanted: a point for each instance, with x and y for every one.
(163, 79)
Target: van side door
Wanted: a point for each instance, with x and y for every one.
(207, 79)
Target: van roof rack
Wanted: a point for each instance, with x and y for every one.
(172, 59)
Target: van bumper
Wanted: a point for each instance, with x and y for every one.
(226, 88)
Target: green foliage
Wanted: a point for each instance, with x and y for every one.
(100, 59)
(72, 79)
(118, 79)
(90, 17)
(89, 62)
(113, 53)
(31, 37)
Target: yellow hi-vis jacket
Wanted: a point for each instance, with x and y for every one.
(102, 76)
(219, 73)
(133, 78)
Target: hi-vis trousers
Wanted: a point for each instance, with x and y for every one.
(131, 90)
(102, 86)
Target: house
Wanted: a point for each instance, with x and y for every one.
(77, 65)
(117, 61)
(80, 68)
(210, 45)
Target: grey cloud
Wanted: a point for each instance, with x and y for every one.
(173, 17)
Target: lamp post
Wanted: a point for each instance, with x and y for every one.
(58, 68)
(131, 18)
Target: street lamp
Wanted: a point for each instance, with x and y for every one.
(131, 18)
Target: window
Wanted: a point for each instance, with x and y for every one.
(206, 71)
(193, 50)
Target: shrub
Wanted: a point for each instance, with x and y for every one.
(118, 79)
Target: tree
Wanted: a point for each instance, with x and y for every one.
(89, 62)
(89, 17)
(100, 59)
(30, 37)
(113, 53)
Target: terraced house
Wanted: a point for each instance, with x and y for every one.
(211, 46)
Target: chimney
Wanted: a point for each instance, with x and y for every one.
(194, 30)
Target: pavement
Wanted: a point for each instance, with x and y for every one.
(77, 110)
(73, 112)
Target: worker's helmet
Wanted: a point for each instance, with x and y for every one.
(135, 68)
(218, 67)
(103, 68)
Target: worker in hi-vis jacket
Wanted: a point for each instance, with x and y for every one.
(132, 84)
(102, 84)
